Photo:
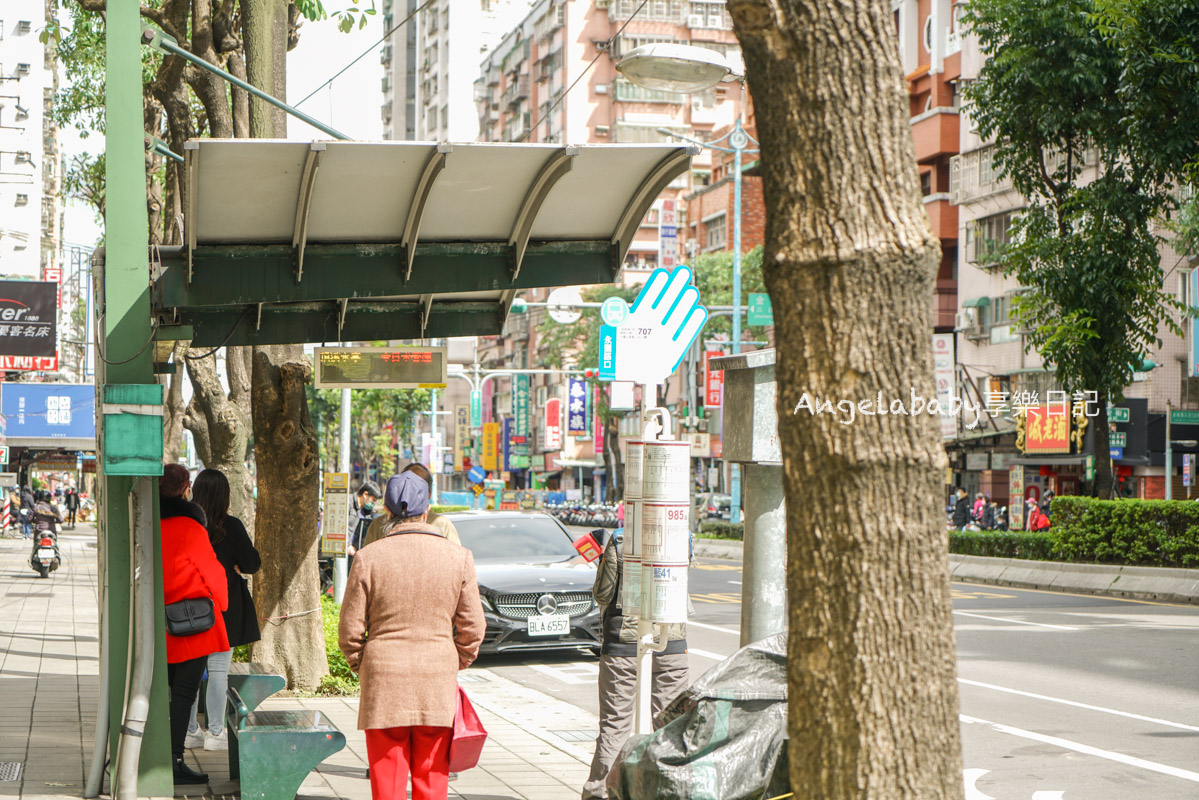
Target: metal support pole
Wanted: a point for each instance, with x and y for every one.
(764, 601)
(1169, 457)
(436, 451)
(738, 140)
(343, 465)
(137, 701)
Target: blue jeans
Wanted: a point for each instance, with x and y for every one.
(214, 698)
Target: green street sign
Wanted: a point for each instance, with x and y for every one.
(760, 310)
(1115, 414)
(1180, 417)
(1090, 470)
(1117, 439)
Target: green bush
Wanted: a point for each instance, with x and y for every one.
(1037, 546)
(721, 530)
(340, 680)
(1155, 533)
(448, 509)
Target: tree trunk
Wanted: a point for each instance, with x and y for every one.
(285, 449)
(173, 410)
(1105, 481)
(220, 423)
(850, 263)
(286, 455)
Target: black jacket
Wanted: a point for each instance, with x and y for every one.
(988, 521)
(236, 550)
(961, 512)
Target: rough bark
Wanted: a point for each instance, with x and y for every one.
(220, 423)
(173, 410)
(850, 263)
(286, 455)
(285, 448)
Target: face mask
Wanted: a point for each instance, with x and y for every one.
(368, 506)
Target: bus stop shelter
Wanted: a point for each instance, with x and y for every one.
(311, 242)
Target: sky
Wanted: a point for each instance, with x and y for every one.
(351, 104)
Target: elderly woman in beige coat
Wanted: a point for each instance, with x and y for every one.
(411, 618)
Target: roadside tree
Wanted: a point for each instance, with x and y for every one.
(850, 262)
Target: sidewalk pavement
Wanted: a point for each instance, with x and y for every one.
(539, 748)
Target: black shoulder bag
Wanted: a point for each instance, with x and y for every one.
(191, 616)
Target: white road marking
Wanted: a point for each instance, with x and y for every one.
(1016, 621)
(1047, 795)
(706, 654)
(575, 674)
(1130, 715)
(1066, 744)
(735, 583)
(972, 791)
(695, 624)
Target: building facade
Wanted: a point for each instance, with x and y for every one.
(31, 221)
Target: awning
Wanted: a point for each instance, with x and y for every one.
(290, 242)
(976, 302)
(1049, 461)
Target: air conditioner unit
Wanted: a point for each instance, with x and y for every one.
(22, 70)
(967, 320)
(715, 22)
(24, 26)
(601, 88)
(695, 20)
(601, 130)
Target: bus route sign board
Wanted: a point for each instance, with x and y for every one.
(380, 367)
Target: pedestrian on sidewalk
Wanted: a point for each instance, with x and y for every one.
(366, 500)
(439, 521)
(27, 504)
(410, 620)
(237, 555)
(72, 503)
(618, 668)
(190, 569)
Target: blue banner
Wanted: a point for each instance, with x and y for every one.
(576, 408)
(48, 410)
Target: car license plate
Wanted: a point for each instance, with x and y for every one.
(549, 625)
(46, 552)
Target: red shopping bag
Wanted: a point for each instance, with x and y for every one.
(588, 547)
(469, 736)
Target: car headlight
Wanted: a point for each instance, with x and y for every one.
(487, 604)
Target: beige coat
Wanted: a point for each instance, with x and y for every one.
(378, 528)
(405, 596)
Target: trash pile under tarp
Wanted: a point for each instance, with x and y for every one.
(724, 738)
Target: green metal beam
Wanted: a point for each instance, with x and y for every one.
(252, 274)
(318, 322)
(125, 332)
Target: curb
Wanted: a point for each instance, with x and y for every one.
(730, 549)
(1163, 584)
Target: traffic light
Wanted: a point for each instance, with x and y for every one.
(591, 374)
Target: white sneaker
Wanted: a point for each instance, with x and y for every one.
(217, 742)
(194, 739)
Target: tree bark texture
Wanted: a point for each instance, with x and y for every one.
(221, 425)
(173, 410)
(850, 263)
(265, 33)
(285, 451)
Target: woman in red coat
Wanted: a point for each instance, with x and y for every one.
(189, 569)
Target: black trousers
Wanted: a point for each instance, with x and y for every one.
(184, 680)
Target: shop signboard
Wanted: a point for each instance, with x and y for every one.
(1089, 471)
(491, 446)
(476, 409)
(1015, 503)
(553, 424)
(1046, 429)
(976, 462)
(668, 235)
(337, 507)
(1193, 296)
(597, 421)
(1186, 469)
(48, 410)
(713, 380)
(28, 318)
(576, 408)
(461, 436)
(943, 362)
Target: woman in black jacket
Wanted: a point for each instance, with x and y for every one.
(236, 553)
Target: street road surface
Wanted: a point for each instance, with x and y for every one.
(1063, 697)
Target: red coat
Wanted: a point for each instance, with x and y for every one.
(190, 569)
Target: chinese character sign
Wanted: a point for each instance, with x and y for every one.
(520, 405)
(28, 318)
(553, 424)
(576, 408)
(461, 435)
(713, 381)
(491, 446)
(1047, 430)
(599, 422)
(1016, 497)
(668, 232)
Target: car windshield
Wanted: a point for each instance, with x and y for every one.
(514, 538)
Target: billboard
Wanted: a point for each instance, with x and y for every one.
(28, 318)
(48, 410)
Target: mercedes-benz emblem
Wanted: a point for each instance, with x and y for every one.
(547, 604)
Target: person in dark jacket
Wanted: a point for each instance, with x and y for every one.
(238, 556)
(990, 516)
(72, 503)
(190, 569)
(961, 511)
(27, 504)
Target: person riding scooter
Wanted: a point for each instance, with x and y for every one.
(45, 557)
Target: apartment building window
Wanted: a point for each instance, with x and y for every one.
(22, 200)
(659, 10)
(627, 92)
(716, 232)
(24, 26)
(644, 133)
(987, 238)
(701, 177)
(626, 43)
(708, 14)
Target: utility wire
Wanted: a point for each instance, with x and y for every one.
(401, 24)
(606, 49)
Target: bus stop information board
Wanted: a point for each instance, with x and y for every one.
(380, 367)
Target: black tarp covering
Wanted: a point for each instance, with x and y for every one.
(724, 738)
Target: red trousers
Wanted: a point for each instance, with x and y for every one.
(393, 753)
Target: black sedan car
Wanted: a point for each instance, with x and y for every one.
(535, 587)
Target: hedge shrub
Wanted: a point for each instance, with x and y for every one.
(340, 680)
(721, 530)
(448, 509)
(1155, 533)
(1037, 546)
